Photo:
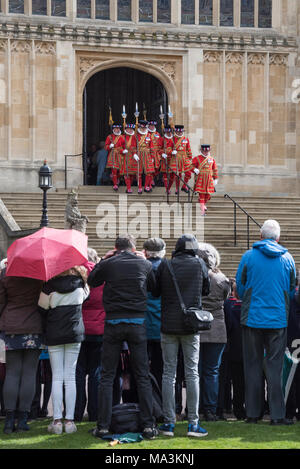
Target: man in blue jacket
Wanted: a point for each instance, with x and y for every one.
(266, 279)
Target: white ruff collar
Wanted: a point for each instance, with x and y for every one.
(130, 135)
(143, 133)
(168, 137)
(152, 131)
(179, 136)
(205, 156)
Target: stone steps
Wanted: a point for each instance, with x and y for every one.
(217, 225)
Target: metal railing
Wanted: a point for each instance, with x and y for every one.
(66, 168)
(190, 190)
(249, 217)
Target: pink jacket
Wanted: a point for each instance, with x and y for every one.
(92, 309)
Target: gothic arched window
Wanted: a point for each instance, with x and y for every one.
(164, 11)
(102, 9)
(226, 12)
(146, 11)
(58, 7)
(39, 7)
(83, 8)
(16, 6)
(205, 11)
(188, 11)
(265, 14)
(247, 13)
(124, 10)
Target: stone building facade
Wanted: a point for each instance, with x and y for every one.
(230, 69)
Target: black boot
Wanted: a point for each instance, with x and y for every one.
(22, 421)
(9, 425)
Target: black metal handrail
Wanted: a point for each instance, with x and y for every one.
(249, 217)
(66, 168)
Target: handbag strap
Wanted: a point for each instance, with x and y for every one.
(183, 307)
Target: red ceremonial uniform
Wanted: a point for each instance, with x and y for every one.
(115, 156)
(158, 142)
(129, 165)
(208, 172)
(145, 153)
(181, 162)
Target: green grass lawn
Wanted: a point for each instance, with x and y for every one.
(221, 435)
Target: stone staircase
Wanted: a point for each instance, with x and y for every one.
(139, 214)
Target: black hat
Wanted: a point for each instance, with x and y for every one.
(143, 123)
(188, 244)
(154, 244)
(116, 126)
(205, 147)
(179, 127)
(152, 123)
(130, 126)
(168, 128)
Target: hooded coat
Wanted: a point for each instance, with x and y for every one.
(192, 277)
(266, 279)
(60, 303)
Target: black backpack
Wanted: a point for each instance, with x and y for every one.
(125, 418)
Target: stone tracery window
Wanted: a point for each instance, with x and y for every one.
(188, 11)
(164, 11)
(124, 10)
(102, 9)
(226, 12)
(16, 6)
(146, 11)
(83, 8)
(39, 7)
(265, 14)
(58, 7)
(205, 12)
(247, 13)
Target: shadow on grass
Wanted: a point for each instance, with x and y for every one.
(221, 435)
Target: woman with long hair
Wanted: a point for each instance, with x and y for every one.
(61, 304)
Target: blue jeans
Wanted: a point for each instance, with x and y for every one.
(190, 347)
(88, 364)
(100, 171)
(209, 364)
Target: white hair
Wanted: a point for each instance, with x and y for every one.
(270, 230)
(159, 254)
(210, 255)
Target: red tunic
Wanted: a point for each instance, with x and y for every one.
(129, 166)
(158, 142)
(115, 156)
(208, 172)
(145, 153)
(167, 147)
(181, 162)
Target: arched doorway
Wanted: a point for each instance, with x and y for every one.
(116, 87)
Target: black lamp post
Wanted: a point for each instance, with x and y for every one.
(45, 183)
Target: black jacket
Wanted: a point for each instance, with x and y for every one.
(192, 277)
(61, 306)
(127, 278)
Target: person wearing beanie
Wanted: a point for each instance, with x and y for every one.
(155, 250)
(192, 277)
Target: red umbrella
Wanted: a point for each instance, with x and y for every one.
(46, 253)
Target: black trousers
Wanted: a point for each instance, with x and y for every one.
(256, 343)
(135, 336)
(238, 388)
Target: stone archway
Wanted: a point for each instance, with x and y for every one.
(167, 70)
